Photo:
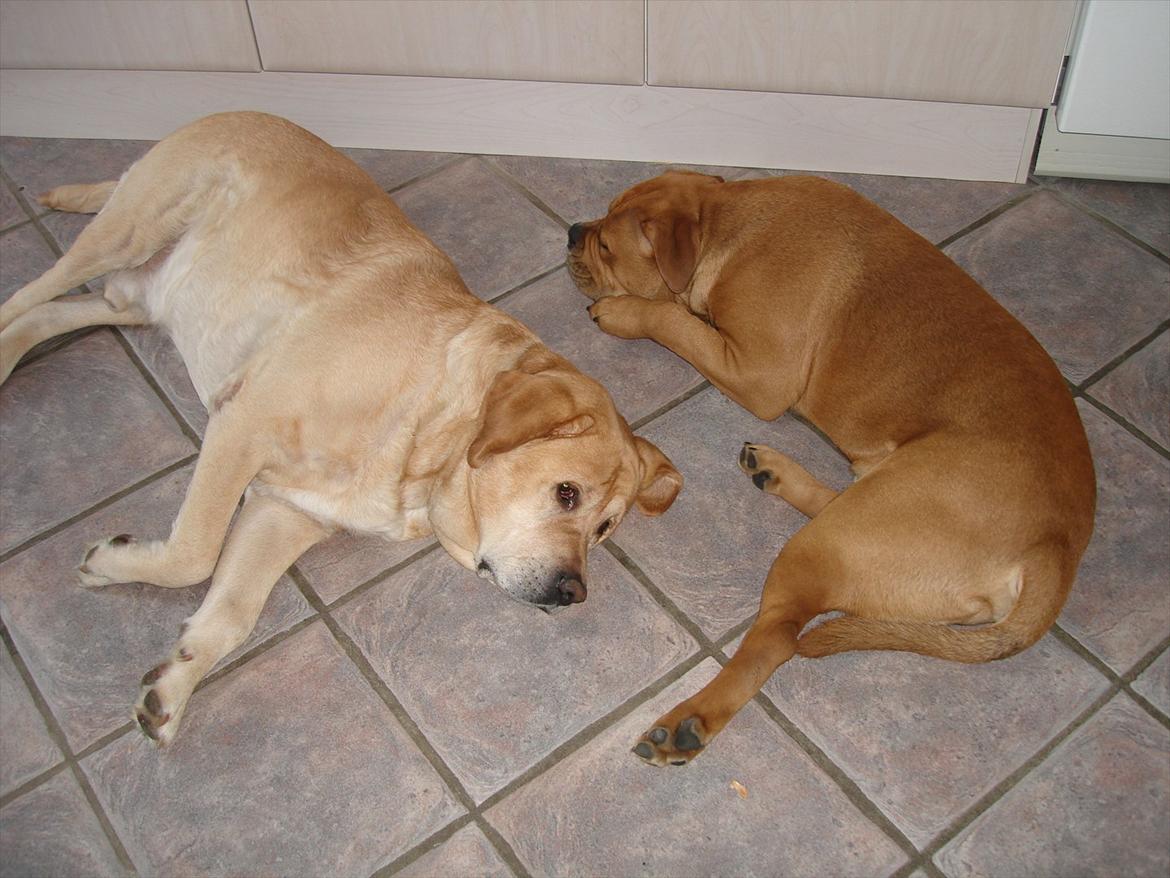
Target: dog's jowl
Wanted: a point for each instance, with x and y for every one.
(974, 490)
(353, 382)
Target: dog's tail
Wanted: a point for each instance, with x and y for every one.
(1046, 579)
(79, 197)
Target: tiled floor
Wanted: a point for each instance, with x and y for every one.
(392, 714)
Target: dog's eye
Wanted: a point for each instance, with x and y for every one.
(604, 246)
(605, 528)
(567, 495)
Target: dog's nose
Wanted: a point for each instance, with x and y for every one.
(576, 234)
(570, 590)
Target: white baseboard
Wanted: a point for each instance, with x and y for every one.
(1101, 157)
(633, 123)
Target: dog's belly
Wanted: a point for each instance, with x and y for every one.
(215, 324)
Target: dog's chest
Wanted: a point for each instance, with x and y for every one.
(365, 513)
(366, 491)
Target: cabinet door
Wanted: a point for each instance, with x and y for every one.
(1001, 52)
(127, 35)
(568, 40)
(1119, 72)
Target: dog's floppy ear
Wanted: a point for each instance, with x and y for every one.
(674, 238)
(520, 407)
(661, 482)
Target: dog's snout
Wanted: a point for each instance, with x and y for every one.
(576, 235)
(570, 590)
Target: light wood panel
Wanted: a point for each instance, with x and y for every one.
(127, 35)
(1003, 52)
(566, 40)
(699, 126)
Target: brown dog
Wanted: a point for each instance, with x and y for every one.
(352, 379)
(975, 489)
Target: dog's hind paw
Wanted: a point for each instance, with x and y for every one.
(664, 745)
(92, 571)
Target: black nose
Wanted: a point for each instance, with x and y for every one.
(570, 590)
(576, 233)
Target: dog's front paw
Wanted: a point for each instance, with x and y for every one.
(672, 742)
(162, 698)
(619, 315)
(763, 465)
(100, 563)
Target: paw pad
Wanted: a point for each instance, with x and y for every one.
(660, 746)
(152, 676)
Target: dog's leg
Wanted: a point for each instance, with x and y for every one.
(267, 538)
(146, 210)
(790, 600)
(228, 462)
(730, 368)
(56, 318)
(779, 474)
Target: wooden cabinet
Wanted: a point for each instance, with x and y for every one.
(1001, 52)
(944, 88)
(127, 35)
(565, 41)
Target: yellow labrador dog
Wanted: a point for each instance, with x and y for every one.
(353, 382)
(975, 492)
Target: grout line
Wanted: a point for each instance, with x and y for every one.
(672, 610)
(97, 507)
(185, 428)
(21, 201)
(1148, 659)
(1121, 358)
(503, 848)
(29, 785)
(1123, 423)
(57, 735)
(532, 280)
(988, 217)
(424, 847)
(714, 649)
(351, 649)
(1103, 220)
(599, 725)
(377, 578)
(254, 652)
(535, 200)
(398, 711)
(15, 227)
(1085, 653)
(674, 403)
(1122, 681)
(455, 158)
(838, 775)
(1005, 786)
